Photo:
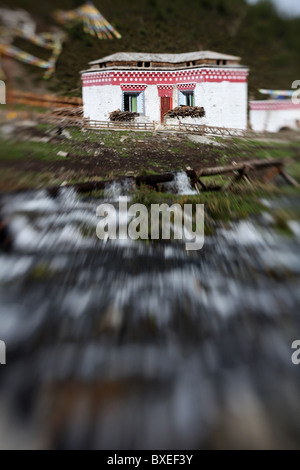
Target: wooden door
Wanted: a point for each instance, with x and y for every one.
(166, 105)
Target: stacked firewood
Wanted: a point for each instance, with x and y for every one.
(76, 112)
(186, 111)
(119, 115)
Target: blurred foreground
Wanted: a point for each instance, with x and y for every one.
(138, 346)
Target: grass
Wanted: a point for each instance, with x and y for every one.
(281, 222)
(219, 207)
(191, 145)
(12, 150)
(148, 172)
(294, 170)
(14, 179)
(176, 150)
(79, 136)
(241, 202)
(273, 153)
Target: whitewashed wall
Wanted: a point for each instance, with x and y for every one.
(225, 103)
(273, 121)
(152, 103)
(100, 101)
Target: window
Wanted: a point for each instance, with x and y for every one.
(140, 64)
(186, 98)
(189, 96)
(134, 102)
(147, 64)
(130, 102)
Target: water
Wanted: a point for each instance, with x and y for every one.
(181, 185)
(146, 346)
(116, 189)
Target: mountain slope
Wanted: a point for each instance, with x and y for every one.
(267, 43)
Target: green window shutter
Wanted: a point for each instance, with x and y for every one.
(134, 103)
(192, 99)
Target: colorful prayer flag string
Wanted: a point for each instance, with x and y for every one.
(51, 41)
(276, 93)
(94, 24)
(93, 21)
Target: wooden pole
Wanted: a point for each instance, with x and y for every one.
(289, 179)
(222, 170)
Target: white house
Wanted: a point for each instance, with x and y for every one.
(274, 115)
(152, 84)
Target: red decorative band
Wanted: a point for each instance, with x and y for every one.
(165, 90)
(186, 86)
(274, 105)
(138, 88)
(179, 77)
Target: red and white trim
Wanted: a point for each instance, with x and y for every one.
(165, 90)
(273, 105)
(201, 75)
(136, 88)
(186, 86)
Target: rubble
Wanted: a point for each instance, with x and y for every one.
(62, 154)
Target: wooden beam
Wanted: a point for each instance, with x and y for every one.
(222, 170)
(240, 171)
(153, 180)
(289, 179)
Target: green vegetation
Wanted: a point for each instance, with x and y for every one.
(27, 164)
(26, 150)
(107, 154)
(219, 207)
(266, 41)
(41, 272)
(281, 219)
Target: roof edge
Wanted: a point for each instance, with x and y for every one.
(138, 55)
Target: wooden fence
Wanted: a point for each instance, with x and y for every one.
(148, 126)
(131, 125)
(42, 101)
(53, 101)
(210, 130)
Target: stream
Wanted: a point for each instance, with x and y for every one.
(131, 345)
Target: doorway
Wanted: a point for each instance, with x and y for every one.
(166, 105)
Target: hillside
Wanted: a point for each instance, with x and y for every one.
(267, 43)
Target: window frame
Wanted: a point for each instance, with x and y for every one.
(187, 93)
(137, 94)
